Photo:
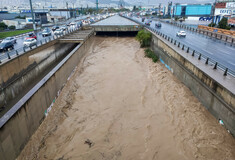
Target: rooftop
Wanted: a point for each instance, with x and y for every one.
(115, 21)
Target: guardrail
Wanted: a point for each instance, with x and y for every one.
(19, 51)
(220, 36)
(194, 53)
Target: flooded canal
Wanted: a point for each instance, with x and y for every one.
(121, 105)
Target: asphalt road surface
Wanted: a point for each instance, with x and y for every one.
(19, 43)
(210, 47)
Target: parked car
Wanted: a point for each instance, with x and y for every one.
(79, 23)
(4, 46)
(72, 23)
(55, 28)
(181, 34)
(31, 35)
(9, 39)
(46, 32)
(58, 32)
(64, 28)
(158, 25)
(92, 21)
(29, 42)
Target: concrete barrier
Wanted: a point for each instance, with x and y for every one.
(18, 125)
(218, 98)
(39, 65)
(123, 28)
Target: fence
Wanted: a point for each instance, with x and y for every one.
(194, 53)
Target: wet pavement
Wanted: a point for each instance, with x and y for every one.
(121, 105)
(215, 49)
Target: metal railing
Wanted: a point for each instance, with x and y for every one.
(188, 50)
(14, 53)
(226, 38)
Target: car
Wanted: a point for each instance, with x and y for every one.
(58, 32)
(72, 23)
(55, 28)
(46, 32)
(29, 42)
(31, 35)
(181, 34)
(143, 19)
(5, 46)
(92, 21)
(79, 23)
(148, 22)
(64, 28)
(9, 39)
(158, 25)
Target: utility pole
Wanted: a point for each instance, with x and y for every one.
(97, 7)
(31, 8)
(67, 10)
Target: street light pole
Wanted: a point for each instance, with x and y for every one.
(31, 8)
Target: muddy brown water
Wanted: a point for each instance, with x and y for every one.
(121, 105)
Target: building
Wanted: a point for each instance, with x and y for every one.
(169, 9)
(18, 23)
(196, 10)
(224, 9)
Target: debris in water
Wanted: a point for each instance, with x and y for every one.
(89, 143)
(221, 122)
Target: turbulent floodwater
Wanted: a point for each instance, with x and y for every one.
(120, 105)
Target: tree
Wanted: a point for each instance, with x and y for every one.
(223, 24)
(2, 26)
(212, 24)
(12, 27)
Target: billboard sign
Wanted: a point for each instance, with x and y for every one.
(230, 5)
(223, 12)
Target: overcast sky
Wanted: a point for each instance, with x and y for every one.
(134, 2)
(166, 1)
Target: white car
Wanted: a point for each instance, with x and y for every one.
(29, 42)
(181, 34)
(58, 32)
(72, 23)
(9, 39)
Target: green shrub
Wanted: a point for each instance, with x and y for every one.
(12, 27)
(223, 24)
(144, 37)
(211, 24)
(150, 54)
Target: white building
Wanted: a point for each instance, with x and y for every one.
(18, 23)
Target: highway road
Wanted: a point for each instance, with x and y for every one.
(215, 49)
(19, 45)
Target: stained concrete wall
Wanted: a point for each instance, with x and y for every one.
(15, 133)
(25, 70)
(216, 98)
(117, 28)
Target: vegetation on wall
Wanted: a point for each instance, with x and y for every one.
(144, 37)
(150, 54)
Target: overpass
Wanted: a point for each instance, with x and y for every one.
(215, 91)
